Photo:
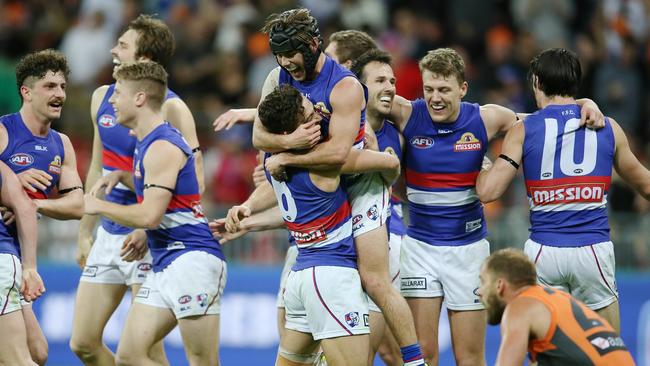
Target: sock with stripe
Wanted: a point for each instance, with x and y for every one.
(412, 355)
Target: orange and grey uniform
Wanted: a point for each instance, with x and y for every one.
(576, 336)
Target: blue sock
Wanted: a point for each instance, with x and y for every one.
(412, 355)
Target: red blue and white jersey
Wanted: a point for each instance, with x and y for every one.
(318, 92)
(319, 222)
(442, 162)
(118, 143)
(568, 170)
(184, 228)
(8, 237)
(388, 138)
(25, 151)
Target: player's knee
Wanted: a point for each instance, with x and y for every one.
(297, 358)
(125, 359)
(39, 353)
(471, 358)
(84, 348)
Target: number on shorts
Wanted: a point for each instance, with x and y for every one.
(567, 150)
(285, 200)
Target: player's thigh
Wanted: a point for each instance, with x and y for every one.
(297, 348)
(468, 332)
(611, 313)
(200, 335)
(377, 330)
(13, 342)
(145, 325)
(94, 305)
(345, 351)
(372, 255)
(426, 315)
(35, 338)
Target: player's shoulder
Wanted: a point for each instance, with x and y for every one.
(100, 92)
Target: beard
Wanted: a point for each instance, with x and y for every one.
(495, 309)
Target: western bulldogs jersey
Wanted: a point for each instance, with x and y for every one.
(318, 92)
(7, 242)
(118, 143)
(319, 222)
(184, 228)
(568, 170)
(442, 162)
(388, 138)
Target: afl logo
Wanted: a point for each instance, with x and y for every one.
(21, 159)
(184, 299)
(107, 121)
(421, 142)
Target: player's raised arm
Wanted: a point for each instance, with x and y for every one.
(226, 120)
(627, 165)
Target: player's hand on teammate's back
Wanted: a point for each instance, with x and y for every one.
(105, 184)
(134, 247)
(306, 136)
(219, 232)
(228, 119)
(8, 216)
(592, 116)
(34, 179)
(234, 216)
(32, 285)
(390, 176)
(275, 166)
(83, 249)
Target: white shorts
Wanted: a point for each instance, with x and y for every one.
(190, 285)
(289, 261)
(11, 274)
(327, 302)
(104, 264)
(368, 196)
(587, 273)
(448, 271)
(394, 246)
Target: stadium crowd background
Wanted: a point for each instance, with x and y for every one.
(221, 61)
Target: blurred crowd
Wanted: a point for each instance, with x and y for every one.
(221, 62)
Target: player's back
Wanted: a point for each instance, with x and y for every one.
(319, 221)
(568, 170)
(577, 335)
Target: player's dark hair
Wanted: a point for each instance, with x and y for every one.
(558, 72)
(281, 110)
(513, 265)
(149, 77)
(155, 40)
(35, 65)
(374, 55)
(350, 44)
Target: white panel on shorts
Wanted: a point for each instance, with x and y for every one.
(104, 264)
(586, 272)
(11, 272)
(326, 301)
(190, 285)
(368, 196)
(451, 272)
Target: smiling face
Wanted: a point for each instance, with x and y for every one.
(46, 95)
(294, 63)
(380, 80)
(123, 101)
(125, 49)
(443, 95)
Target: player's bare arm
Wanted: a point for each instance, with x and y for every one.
(347, 101)
(497, 119)
(88, 222)
(179, 115)
(69, 204)
(304, 137)
(493, 182)
(162, 163)
(24, 209)
(627, 165)
(262, 198)
(226, 120)
(400, 112)
(516, 331)
(364, 161)
(261, 221)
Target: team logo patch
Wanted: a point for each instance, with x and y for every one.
(414, 283)
(89, 271)
(421, 142)
(321, 109)
(55, 165)
(467, 142)
(357, 219)
(21, 159)
(476, 293)
(143, 293)
(184, 299)
(202, 299)
(352, 318)
(606, 342)
(372, 213)
(137, 172)
(197, 209)
(145, 266)
(473, 225)
(107, 121)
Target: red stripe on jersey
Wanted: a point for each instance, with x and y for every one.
(361, 134)
(326, 222)
(568, 181)
(38, 195)
(184, 201)
(441, 180)
(119, 162)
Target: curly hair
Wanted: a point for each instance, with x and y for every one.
(35, 65)
(374, 55)
(149, 77)
(281, 111)
(350, 44)
(155, 40)
(445, 62)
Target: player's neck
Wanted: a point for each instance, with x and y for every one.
(38, 125)
(376, 120)
(147, 121)
(545, 101)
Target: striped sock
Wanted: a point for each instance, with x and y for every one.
(412, 355)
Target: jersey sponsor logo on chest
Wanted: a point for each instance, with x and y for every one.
(309, 236)
(568, 193)
(467, 142)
